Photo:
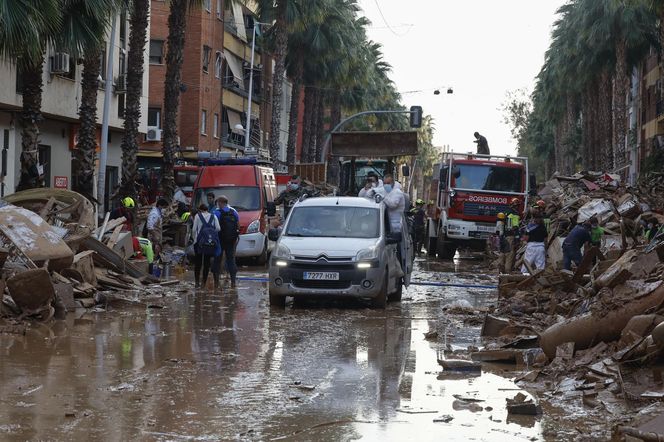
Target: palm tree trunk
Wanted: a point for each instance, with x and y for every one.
(619, 104)
(314, 126)
(335, 110)
(280, 48)
(307, 123)
(86, 148)
(137, 39)
(558, 137)
(30, 118)
(320, 127)
(177, 25)
(295, 109)
(604, 152)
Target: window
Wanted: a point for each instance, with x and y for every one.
(245, 199)
(204, 122)
(219, 9)
(207, 5)
(122, 62)
(123, 29)
(215, 126)
(121, 105)
(154, 117)
(156, 52)
(217, 65)
(334, 222)
(206, 58)
(102, 67)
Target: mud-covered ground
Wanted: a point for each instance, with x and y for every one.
(224, 366)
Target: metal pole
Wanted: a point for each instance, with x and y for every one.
(247, 130)
(103, 155)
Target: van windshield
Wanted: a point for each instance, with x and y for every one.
(334, 222)
(242, 199)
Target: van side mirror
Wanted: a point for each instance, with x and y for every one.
(393, 238)
(405, 170)
(271, 209)
(273, 234)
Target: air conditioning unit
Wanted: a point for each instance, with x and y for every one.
(154, 134)
(60, 63)
(121, 84)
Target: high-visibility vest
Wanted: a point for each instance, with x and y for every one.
(513, 221)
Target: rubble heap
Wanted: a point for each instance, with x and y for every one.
(594, 329)
(53, 259)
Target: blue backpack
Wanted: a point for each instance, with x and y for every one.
(207, 242)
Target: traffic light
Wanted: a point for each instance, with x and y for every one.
(416, 117)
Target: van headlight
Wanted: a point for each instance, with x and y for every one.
(254, 227)
(281, 251)
(367, 254)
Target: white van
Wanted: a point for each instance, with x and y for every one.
(340, 246)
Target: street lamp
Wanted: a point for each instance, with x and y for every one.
(247, 130)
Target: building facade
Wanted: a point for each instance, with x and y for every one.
(61, 100)
(647, 115)
(216, 78)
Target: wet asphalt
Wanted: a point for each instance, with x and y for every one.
(225, 366)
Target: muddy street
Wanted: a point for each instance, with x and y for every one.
(224, 366)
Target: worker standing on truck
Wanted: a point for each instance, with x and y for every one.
(482, 144)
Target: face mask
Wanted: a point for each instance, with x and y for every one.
(388, 188)
(294, 186)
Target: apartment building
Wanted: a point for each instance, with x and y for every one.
(60, 103)
(646, 111)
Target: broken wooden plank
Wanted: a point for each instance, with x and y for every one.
(47, 208)
(114, 237)
(112, 258)
(101, 232)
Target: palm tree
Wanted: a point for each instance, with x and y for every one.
(96, 17)
(26, 26)
(135, 66)
(177, 26)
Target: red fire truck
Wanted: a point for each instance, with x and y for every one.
(473, 189)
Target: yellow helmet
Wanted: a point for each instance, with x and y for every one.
(501, 215)
(128, 202)
(185, 216)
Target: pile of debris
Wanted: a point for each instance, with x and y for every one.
(53, 259)
(591, 330)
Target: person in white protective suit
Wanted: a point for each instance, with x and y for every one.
(395, 200)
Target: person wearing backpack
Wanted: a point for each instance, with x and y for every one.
(206, 233)
(229, 234)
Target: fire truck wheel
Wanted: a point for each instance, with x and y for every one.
(446, 249)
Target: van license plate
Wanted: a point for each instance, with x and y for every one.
(322, 276)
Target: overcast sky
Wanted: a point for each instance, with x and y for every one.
(481, 48)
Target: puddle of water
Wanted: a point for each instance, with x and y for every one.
(437, 397)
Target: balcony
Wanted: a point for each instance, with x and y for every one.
(660, 108)
(236, 89)
(232, 140)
